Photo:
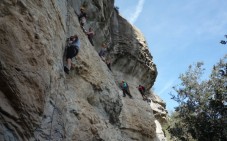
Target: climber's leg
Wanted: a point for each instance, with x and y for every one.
(70, 54)
(69, 62)
(124, 95)
(128, 93)
(143, 95)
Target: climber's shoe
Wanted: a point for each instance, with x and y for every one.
(66, 70)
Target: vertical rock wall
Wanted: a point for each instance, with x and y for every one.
(39, 102)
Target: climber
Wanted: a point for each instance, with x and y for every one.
(142, 91)
(108, 63)
(72, 51)
(125, 89)
(90, 35)
(82, 17)
(103, 50)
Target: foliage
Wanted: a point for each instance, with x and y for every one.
(174, 129)
(224, 41)
(202, 110)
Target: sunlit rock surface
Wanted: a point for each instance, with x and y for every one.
(38, 101)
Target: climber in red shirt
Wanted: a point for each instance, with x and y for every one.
(142, 91)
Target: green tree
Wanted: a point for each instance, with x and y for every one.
(224, 41)
(202, 110)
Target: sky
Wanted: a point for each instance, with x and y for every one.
(178, 33)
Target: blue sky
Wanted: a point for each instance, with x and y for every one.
(179, 33)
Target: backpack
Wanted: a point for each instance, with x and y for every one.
(125, 85)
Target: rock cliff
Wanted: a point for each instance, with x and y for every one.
(38, 101)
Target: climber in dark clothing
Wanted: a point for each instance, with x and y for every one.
(90, 35)
(125, 89)
(72, 51)
(82, 17)
(142, 91)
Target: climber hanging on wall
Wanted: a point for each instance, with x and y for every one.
(82, 17)
(125, 89)
(72, 51)
(142, 91)
(90, 33)
(103, 50)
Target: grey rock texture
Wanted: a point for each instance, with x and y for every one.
(159, 108)
(38, 101)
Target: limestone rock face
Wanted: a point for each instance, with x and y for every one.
(159, 108)
(38, 101)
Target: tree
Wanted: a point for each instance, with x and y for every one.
(202, 110)
(224, 41)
